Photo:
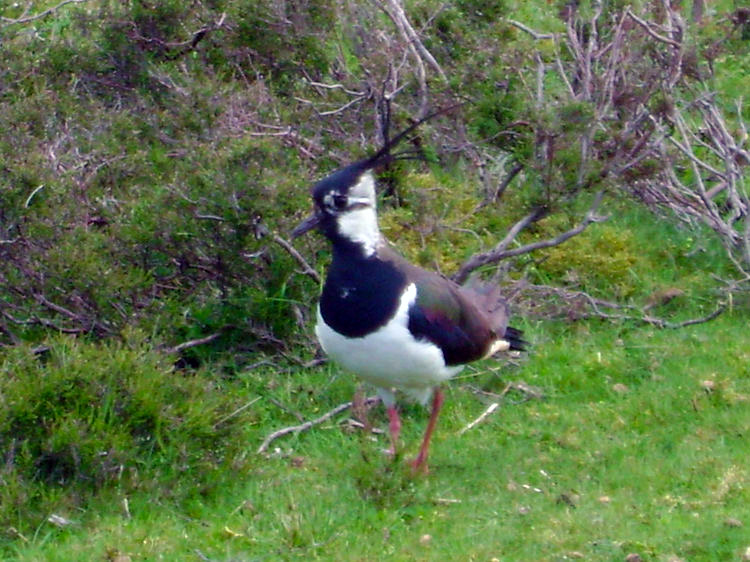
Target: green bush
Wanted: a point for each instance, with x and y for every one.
(600, 259)
(80, 418)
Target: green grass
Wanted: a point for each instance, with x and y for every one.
(639, 445)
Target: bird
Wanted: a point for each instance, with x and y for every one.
(397, 326)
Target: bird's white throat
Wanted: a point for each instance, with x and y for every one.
(360, 224)
(361, 227)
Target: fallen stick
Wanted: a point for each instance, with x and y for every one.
(491, 408)
(308, 424)
(237, 411)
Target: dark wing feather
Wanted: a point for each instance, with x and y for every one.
(463, 321)
(442, 315)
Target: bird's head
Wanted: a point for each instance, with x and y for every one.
(345, 196)
(345, 201)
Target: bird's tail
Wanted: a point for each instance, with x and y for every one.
(496, 307)
(514, 337)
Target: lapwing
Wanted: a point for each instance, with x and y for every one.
(395, 325)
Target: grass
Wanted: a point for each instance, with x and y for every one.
(633, 449)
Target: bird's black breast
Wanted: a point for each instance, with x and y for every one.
(360, 296)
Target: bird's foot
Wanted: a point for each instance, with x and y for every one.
(419, 466)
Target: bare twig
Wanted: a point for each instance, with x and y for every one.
(335, 87)
(32, 194)
(660, 322)
(484, 415)
(535, 34)
(351, 422)
(693, 321)
(648, 27)
(193, 343)
(15, 340)
(43, 322)
(48, 11)
(509, 177)
(402, 22)
(500, 251)
(306, 267)
(59, 520)
(56, 307)
(184, 47)
(581, 305)
(395, 11)
(529, 392)
(202, 556)
(341, 108)
(312, 423)
(286, 408)
(292, 138)
(446, 501)
(202, 216)
(236, 412)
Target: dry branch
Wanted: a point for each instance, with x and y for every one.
(26, 18)
(527, 390)
(307, 269)
(291, 137)
(484, 415)
(183, 47)
(236, 412)
(660, 322)
(47, 323)
(193, 343)
(535, 34)
(335, 87)
(312, 423)
(41, 299)
(684, 155)
(500, 251)
(509, 177)
(649, 29)
(398, 15)
(715, 193)
(395, 11)
(577, 305)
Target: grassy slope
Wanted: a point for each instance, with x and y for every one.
(658, 468)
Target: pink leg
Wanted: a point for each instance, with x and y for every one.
(394, 425)
(420, 463)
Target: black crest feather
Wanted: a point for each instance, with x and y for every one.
(386, 154)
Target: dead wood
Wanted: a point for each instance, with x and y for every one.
(312, 423)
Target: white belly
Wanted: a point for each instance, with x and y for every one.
(390, 358)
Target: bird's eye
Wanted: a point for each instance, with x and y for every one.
(340, 201)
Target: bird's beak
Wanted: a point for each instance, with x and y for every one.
(306, 225)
